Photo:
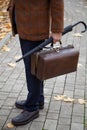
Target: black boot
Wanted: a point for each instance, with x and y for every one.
(25, 117)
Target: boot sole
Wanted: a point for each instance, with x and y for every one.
(25, 122)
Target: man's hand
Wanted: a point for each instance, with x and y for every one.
(56, 37)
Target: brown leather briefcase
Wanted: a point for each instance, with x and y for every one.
(46, 64)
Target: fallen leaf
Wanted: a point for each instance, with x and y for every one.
(17, 57)
(5, 48)
(81, 101)
(8, 25)
(4, 19)
(60, 97)
(10, 125)
(12, 65)
(69, 99)
(2, 35)
(79, 65)
(77, 35)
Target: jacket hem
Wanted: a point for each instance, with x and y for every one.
(34, 38)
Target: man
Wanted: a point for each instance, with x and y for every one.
(33, 20)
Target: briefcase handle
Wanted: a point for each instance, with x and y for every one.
(60, 42)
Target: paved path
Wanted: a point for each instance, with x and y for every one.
(57, 115)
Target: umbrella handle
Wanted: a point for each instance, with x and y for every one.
(70, 27)
(85, 26)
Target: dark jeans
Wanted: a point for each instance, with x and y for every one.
(34, 85)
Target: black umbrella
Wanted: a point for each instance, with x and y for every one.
(50, 40)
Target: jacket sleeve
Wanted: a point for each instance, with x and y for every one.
(57, 15)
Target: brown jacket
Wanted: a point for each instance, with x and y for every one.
(33, 18)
